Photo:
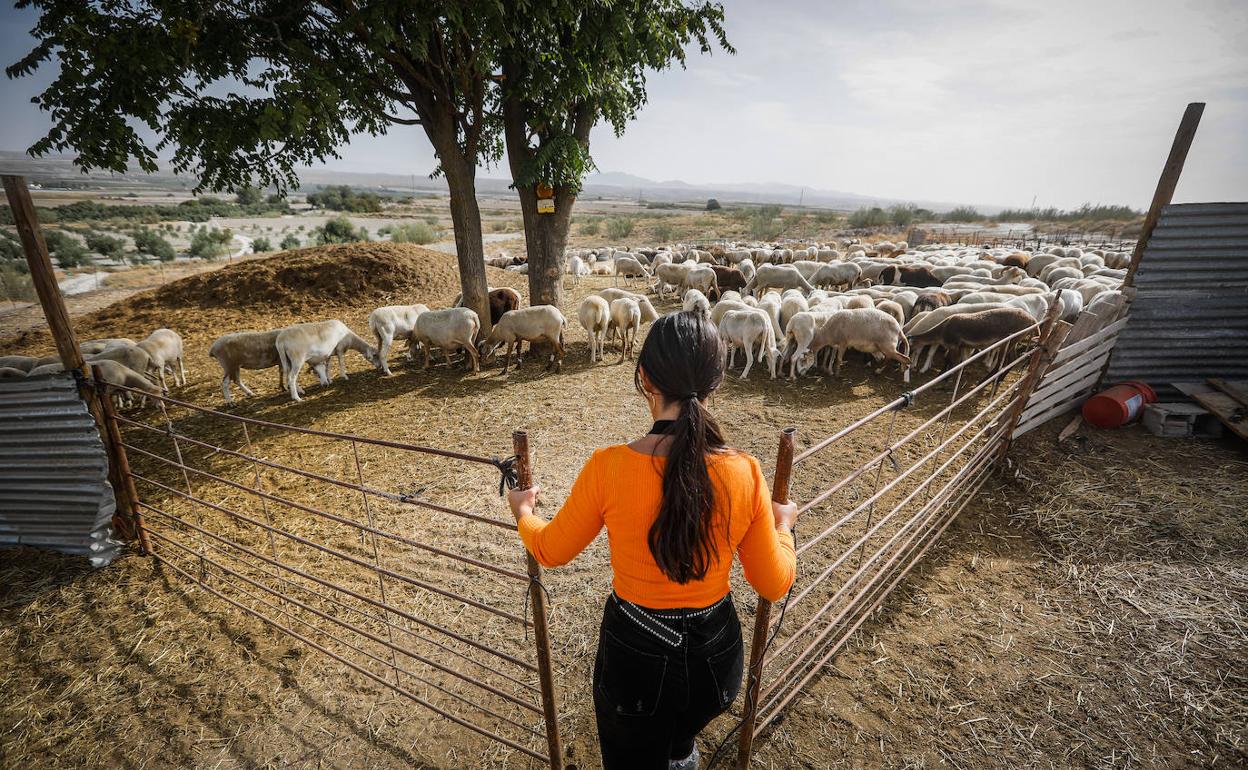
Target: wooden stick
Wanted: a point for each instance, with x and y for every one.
(1047, 350)
(762, 615)
(537, 596)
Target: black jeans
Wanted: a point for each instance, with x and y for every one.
(660, 677)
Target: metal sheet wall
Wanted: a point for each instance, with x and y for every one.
(54, 490)
(1189, 319)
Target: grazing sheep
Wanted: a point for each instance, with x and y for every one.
(960, 333)
(165, 348)
(746, 266)
(701, 278)
(892, 308)
(390, 322)
(648, 313)
(577, 269)
(500, 300)
(452, 329)
(538, 323)
(315, 343)
(860, 302)
(670, 275)
(904, 275)
(745, 329)
(46, 369)
(133, 357)
(120, 375)
(11, 372)
(930, 300)
(245, 350)
(777, 277)
(626, 320)
(595, 316)
(835, 275)
(630, 267)
(791, 303)
(728, 278)
(696, 300)
(91, 347)
(734, 296)
(25, 363)
(865, 329)
(800, 333)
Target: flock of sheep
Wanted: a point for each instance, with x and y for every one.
(781, 306)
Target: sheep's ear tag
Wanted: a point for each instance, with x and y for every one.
(545, 198)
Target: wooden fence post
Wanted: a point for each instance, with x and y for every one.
(537, 597)
(762, 614)
(57, 316)
(112, 437)
(1050, 340)
(1166, 184)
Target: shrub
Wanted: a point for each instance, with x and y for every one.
(619, 227)
(289, 242)
(902, 215)
(343, 198)
(10, 249)
(591, 226)
(339, 230)
(414, 232)
(150, 242)
(762, 222)
(261, 245)
(14, 283)
(210, 244)
(65, 249)
(663, 231)
(868, 217)
(826, 217)
(431, 220)
(963, 214)
(248, 196)
(712, 205)
(107, 246)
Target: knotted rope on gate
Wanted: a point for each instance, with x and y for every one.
(509, 477)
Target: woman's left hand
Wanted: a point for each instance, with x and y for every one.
(522, 501)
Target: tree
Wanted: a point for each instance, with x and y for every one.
(300, 78)
(565, 66)
(712, 204)
(248, 196)
(261, 244)
(107, 246)
(902, 215)
(210, 244)
(339, 230)
(66, 249)
(289, 242)
(151, 242)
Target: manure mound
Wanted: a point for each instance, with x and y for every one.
(311, 278)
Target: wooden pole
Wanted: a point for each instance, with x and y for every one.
(537, 597)
(119, 469)
(1050, 340)
(57, 316)
(1166, 184)
(762, 615)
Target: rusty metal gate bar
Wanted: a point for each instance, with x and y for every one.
(380, 632)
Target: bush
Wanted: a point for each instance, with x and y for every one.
(619, 227)
(65, 248)
(343, 198)
(107, 246)
(663, 231)
(415, 232)
(248, 196)
(591, 226)
(15, 284)
(151, 242)
(868, 217)
(210, 244)
(431, 220)
(712, 205)
(11, 249)
(1087, 211)
(762, 222)
(289, 242)
(827, 217)
(963, 214)
(261, 245)
(902, 215)
(339, 230)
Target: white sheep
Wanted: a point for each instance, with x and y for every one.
(866, 329)
(595, 315)
(391, 322)
(648, 313)
(777, 277)
(165, 348)
(696, 300)
(450, 329)
(113, 373)
(245, 350)
(577, 269)
(537, 323)
(25, 363)
(744, 329)
(626, 321)
(315, 343)
(630, 267)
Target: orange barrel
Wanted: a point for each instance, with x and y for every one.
(1118, 405)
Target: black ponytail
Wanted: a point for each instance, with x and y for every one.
(683, 358)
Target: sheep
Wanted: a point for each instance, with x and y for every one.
(701, 278)
(25, 363)
(930, 300)
(866, 329)
(500, 300)
(392, 321)
(537, 323)
(800, 332)
(777, 277)
(892, 308)
(670, 275)
(1051, 277)
(165, 348)
(836, 275)
(45, 360)
(577, 268)
(728, 278)
(730, 295)
(91, 347)
(746, 266)
(133, 357)
(904, 275)
(695, 300)
(958, 333)
(46, 369)
(630, 267)
(626, 320)
(315, 343)
(725, 305)
(770, 304)
(452, 329)
(791, 303)
(648, 313)
(245, 350)
(595, 315)
(744, 329)
(120, 375)
(11, 372)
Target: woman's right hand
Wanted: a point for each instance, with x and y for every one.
(785, 514)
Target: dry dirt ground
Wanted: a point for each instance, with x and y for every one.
(1087, 610)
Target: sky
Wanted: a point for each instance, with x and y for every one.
(999, 102)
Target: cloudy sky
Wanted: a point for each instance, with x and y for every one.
(980, 101)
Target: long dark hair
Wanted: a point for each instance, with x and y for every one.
(683, 358)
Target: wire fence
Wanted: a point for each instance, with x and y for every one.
(860, 536)
(405, 584)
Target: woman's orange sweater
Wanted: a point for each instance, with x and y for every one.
(622, 488)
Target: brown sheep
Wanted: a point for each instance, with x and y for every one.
(728, 279)
(904, 275)
(1017, 259)
(501, 301)
(930, 300)
(966, 331)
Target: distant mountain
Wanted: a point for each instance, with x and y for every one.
(58, 170)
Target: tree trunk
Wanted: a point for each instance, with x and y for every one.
(469, 249)
(545, 236)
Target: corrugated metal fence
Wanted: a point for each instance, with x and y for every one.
(54, 490)
(1189, 319)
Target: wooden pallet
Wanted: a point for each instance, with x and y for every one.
(1225, 399)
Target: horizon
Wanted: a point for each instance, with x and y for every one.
(980, 102)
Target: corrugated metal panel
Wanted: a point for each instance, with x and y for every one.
(1189, 319)
(54, 490)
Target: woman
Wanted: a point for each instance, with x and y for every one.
(677, 503)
